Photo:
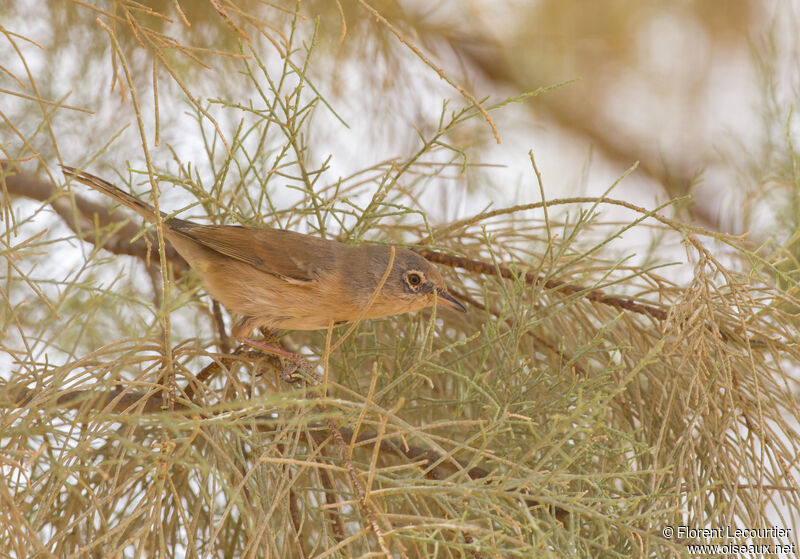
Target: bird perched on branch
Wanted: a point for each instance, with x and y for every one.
(278, 279)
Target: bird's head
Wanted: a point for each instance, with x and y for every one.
(413, 283)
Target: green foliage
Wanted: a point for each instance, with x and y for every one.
(586, 401)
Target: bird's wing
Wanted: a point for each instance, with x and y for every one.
(292, 256)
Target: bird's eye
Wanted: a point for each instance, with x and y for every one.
(414, 279)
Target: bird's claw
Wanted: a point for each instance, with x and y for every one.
(293, 372)
(296, 368)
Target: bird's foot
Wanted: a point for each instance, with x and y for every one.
(296, 366)
(288, 374)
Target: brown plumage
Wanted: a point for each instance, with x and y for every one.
(281, 279)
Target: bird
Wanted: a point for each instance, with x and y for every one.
(276, 279)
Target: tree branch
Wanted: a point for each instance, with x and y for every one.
(86, 218)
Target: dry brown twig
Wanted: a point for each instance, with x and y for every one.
(126, 400)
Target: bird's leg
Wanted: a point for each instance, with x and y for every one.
(269, 345)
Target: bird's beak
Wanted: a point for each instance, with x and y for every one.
(448, 300)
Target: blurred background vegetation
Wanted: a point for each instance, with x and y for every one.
(610, 186)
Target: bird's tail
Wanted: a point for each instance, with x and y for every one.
(142, 208)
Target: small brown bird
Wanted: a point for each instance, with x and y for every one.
(280, 279)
